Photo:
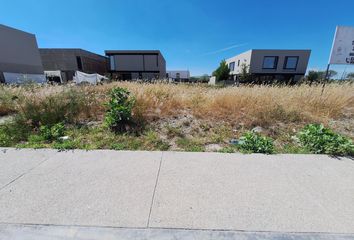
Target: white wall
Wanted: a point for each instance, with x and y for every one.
(212, 80)
(243, 58)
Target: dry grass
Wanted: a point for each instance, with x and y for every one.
(246, 105)
(249, 105)
(176, 117)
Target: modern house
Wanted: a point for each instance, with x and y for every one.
(19, 57)
(70, 60)
(266, 66)
(178, 76)
(136, 64)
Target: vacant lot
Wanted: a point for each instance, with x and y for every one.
(174, 117)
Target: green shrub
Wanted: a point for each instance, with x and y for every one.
(5, 139)
(255, 143)
(119, 112)
(54, 132)
(14, 132)
(320, 140)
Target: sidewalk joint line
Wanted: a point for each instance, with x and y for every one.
(153, 194)
(23, 174)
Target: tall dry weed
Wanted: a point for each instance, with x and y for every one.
(249, 105)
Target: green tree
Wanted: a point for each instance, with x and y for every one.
(222, 72)
(314, 76)
(319, 76)
(245, 76)
(204, 78)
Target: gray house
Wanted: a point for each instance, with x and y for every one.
(69, 60)
(19, 56)
(266, 66)
(136, 64)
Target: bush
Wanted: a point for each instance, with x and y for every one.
(54, 132)
(254, 142)
(119, 112)
(320, 140)
(14, 132)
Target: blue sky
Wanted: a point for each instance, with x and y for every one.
(191, 34)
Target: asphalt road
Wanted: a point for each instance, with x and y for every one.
(188, 194)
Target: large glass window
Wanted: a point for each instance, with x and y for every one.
(232, 66)
(270, 62)
(291, 63)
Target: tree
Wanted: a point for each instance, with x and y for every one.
(222, 72)
(319, 76)
(245, 76)
(200, 79)
(204, 78)
(314, 76)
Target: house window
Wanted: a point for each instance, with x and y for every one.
(79, 63)
(270, 62)
(238, 63)
(291, 63)
(232, 66)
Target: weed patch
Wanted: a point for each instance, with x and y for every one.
(318, 139)
(255, 143)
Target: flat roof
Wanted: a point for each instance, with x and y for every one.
(109, 52)
(271, 50)
(70, 49)
(280, 50)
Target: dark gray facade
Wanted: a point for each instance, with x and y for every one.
(18, 53)
(267, 66)
(136, 64)
(69, 60)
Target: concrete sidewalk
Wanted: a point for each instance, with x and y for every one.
(173, 190)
